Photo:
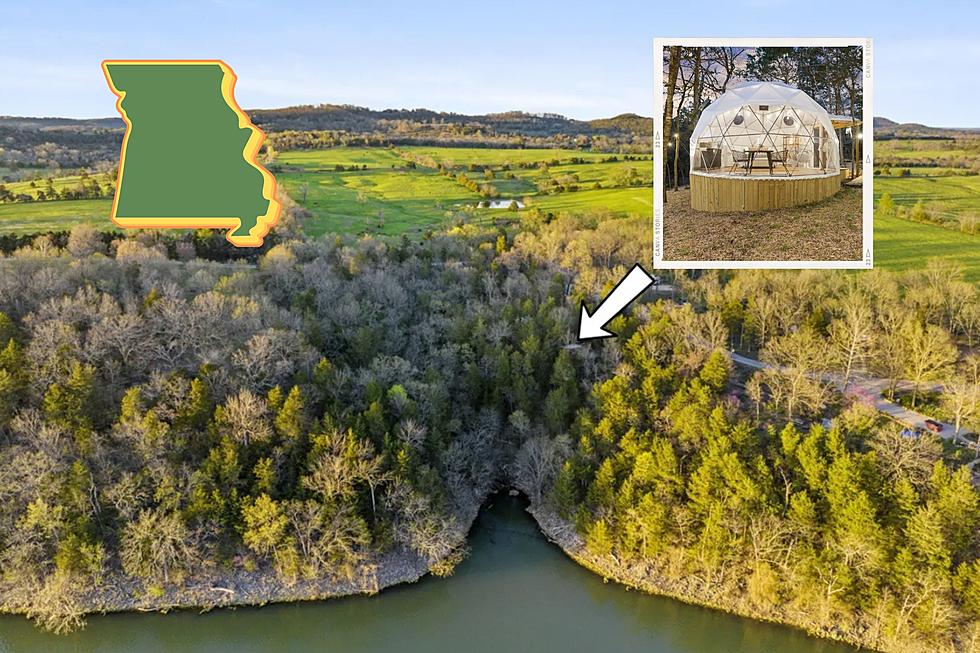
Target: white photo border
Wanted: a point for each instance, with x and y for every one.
(867, 152)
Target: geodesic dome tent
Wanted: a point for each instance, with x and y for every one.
(777, 124)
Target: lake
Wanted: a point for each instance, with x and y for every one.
(515, 593)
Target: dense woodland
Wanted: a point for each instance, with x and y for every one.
(328, 125)
(58, 143)
(744, 491)
(163, 420)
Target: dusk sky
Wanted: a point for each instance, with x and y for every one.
(581, 59)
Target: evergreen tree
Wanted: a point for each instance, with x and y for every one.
(71, 403)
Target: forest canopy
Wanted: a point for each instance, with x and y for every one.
(341, 401)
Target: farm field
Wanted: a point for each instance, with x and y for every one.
(372, 190)
(61, 215)
(604, 181)
(918, 148)
(358, 190)
(500, 156)
(614, 200)
(60, 184)
(949, 195)
(381, 196)
(902, 245)
(942, 174)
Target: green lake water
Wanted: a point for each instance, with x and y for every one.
(515, 593)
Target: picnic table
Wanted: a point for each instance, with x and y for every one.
(771, 160)
(752, 154)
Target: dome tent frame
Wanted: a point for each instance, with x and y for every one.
(764, 116)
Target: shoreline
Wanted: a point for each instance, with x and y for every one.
(853, 631)
(258, 588)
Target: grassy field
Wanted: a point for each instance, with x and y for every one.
(935, 174)
(384, 195)
(916, 148)
(949, 195)
(375, 191)
(59, 183)
(613, 200)
(373, 157)
(33, 217)
(903, 245)
(495, 157)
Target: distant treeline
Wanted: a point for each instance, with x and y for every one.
(962, 153)
(63, 143)
(35, 144)
(321, 139)
(363, 120)
(888, 136)
(208, 244)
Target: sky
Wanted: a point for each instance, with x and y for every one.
(580, 59)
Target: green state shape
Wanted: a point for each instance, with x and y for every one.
(185, 153)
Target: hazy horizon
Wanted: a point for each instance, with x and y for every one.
(437, 110)
(570, 58)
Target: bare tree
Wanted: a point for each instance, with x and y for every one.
(927, 353)
(902, 457)
(723, 64)
(245, 418)
(852, 335)
(537, 461)
(85, 240)
(961, 398)
(673, 54)
(797, 360)
(155, 545)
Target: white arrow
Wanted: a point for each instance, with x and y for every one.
(629, 288)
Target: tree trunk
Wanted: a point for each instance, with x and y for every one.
(854, 139)
(673, 67)
(677, 156)
(847, 368)
(698, 85)
(697, 92)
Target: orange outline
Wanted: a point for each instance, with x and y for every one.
(251, 151)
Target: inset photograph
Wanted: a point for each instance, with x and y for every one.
(761, 153)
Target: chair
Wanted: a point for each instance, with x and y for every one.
(739, 158)
(710, 157)
(781, 158)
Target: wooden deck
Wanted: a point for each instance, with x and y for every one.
(777, 171)
(759, 192)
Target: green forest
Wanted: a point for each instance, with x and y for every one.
(345, 405)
